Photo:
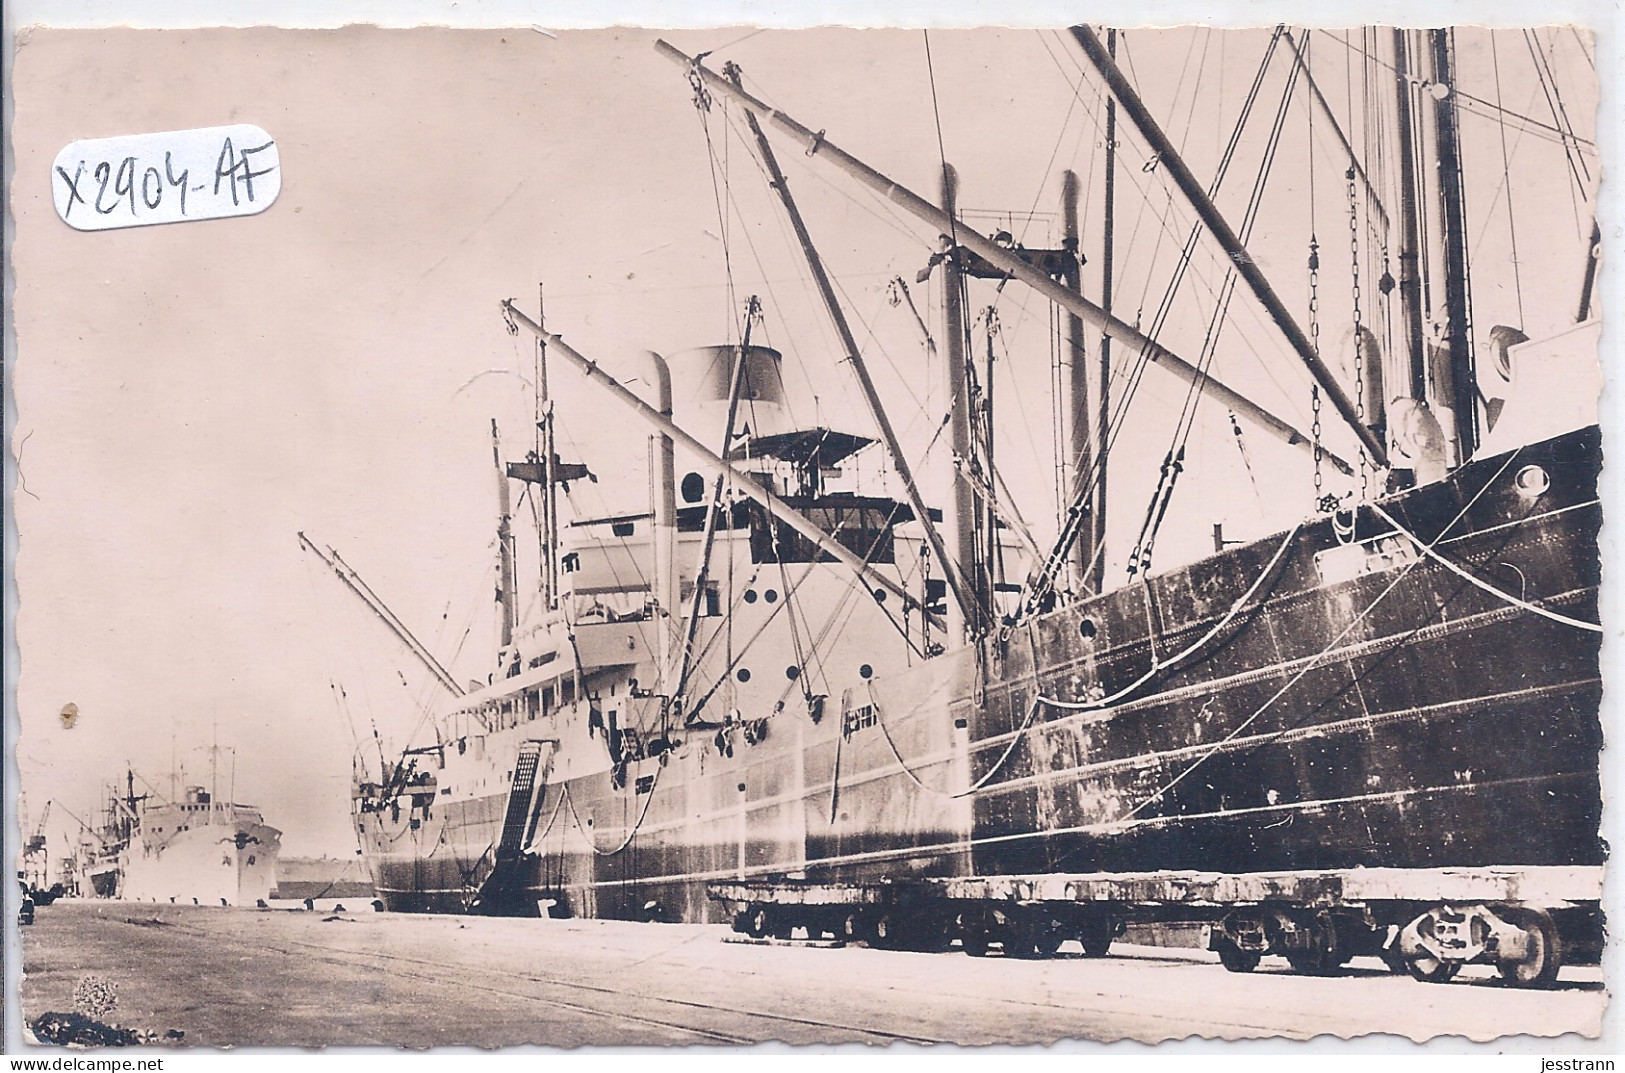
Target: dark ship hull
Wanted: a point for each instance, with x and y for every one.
(1330, 698)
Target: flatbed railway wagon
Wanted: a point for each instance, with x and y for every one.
(1429, 922)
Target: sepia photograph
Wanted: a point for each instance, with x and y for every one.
(718, 536)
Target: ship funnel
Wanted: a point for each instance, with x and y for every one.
(706, 373)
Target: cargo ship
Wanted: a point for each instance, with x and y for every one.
(193, 850)
(777, 673)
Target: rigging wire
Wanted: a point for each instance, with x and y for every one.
(1315, 661)
(1560, 113)
(1428, 550)
(1528, 123)
(1039, 700)
(1575, 160)
(1158, 666)
(702, 107)
(942, 153)
(1165, 222)
(1173, 461)
(1585, 51)
(1506, 185)
(1015, 738)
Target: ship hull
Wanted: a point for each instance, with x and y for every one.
(1348, 694)
(211, 864)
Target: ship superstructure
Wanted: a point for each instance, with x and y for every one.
(193, 850)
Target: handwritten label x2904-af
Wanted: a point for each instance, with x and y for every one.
(139, 179)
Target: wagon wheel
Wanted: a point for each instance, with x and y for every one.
(1431, 970)
(930, 934)
(758, 921)
(884, 932)
(1323, 957)
(975, 941)
(1047, 938)
(1096, 938)
(1395, 961)
(1236, 959)
(1538, 967)
(1019, 938)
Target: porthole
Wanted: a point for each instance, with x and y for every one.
(743, 674)
(693, 488)
(792, 672)
(771, 595)
(866, 671)
(1086, 629)
(1532, 482)
(750, 596)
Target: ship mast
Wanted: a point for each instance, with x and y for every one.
(1452, 219)
(1410, 276)
(507, 598)
(971, 608)
(821, 148)
(541, 467)
(747, 484)
(956, 385)
(544, 446)
(1164, 151)
(130, 799)
(663, 508)
(714, 507)
(1080, 444)
(1103, 413)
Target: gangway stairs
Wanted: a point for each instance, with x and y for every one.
(524, 791)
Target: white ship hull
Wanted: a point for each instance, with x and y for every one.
(211, 864)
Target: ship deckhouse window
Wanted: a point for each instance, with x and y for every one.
(863, 527)
(624, 529)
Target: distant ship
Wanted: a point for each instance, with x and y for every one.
(192, 851)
